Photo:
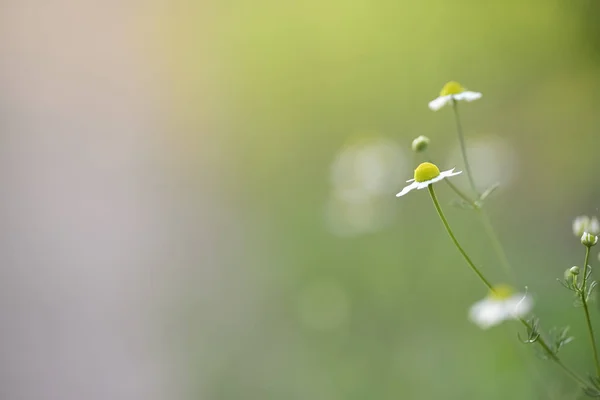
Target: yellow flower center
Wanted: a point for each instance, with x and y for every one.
(426, 171)
(452, 87)
(501, 292)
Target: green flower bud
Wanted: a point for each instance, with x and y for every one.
(571, 273)
(420, 144)
(574, 270)
(588, 240)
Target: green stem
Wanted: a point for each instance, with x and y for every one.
(489, 229)
(436, 203)
(463, 147)
(487, 225)
(554, 357)
(460, 193)
(583, 294)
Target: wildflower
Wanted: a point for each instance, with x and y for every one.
(588, 240)
(500, 305)
(420, 144)
(426, 174)
(452, 91)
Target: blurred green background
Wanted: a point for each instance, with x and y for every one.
(339, 290)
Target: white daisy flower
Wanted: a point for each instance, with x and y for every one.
(500, 305)
(453, 91)
(426, 174)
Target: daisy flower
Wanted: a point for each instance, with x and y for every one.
(426, 174)
(500, 305)
(453, 91)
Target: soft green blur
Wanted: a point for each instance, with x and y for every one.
(342, 290)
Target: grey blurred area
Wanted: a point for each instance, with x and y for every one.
(93, 221)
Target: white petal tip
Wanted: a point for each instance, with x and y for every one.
(439, 102)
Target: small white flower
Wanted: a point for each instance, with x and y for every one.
(426, 174)
(589, 240)
(453, 91)
(500, 305)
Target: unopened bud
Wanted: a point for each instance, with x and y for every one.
(588, 240)
(570, 273)
(574, 270)
(420, 144)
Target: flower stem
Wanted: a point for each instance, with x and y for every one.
(460, 193)
(489, 229)
(487, 225)
(554, 357)
(583, 294)
(436, 203)
(463, 147)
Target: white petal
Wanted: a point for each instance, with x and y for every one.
(519, 305)
(436, 179)
(468, 96)
(487, 313)
(408, 188)
(410, 180)
(449, 173)
(440, 102)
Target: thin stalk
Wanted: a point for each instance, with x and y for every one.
(583, 294)
(438, 208)
(487, 226)
(463, 147)
(489, 229)
(485, 220)
(460, 193)
(555, 358)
